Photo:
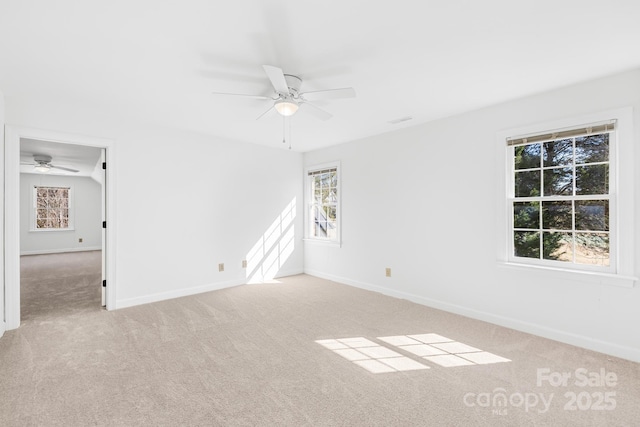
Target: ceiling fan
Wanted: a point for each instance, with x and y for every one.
(288, 97)
(42, 163)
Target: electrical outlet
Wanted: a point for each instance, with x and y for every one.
(387, 272)
(244, 263)
(80, 240)
(221, 267)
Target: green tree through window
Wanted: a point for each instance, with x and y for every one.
(561, 200)
(323, 203)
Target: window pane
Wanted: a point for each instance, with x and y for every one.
(558, 153)
(527, 156)
(592, 179)
(592, 215)
(331, 213)
(592, 248)
(593, 148)
(527, 184)
(325, 195)
(557, 246)
(526, 215)
(331, 230)
(526, 244)
(558, 182)
(312, 220)
(321, 229)
(557, 215)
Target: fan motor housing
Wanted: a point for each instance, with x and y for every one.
(41, 158)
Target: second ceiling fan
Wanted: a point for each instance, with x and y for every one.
(288, 98)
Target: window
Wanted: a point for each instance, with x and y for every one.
(561, 197)
(52, 208)
(323, 186)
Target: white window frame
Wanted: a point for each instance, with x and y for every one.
(309, 204)
(610, 197)
(621, 199)
(34, 208)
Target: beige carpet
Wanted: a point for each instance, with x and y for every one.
(248, 356)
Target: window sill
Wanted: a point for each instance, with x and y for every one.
(577, 275)
(48, 230)
(323, 242)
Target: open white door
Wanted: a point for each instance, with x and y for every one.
(103, 159)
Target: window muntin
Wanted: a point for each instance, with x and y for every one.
(52, 208)
(323, 203)
(561, 198)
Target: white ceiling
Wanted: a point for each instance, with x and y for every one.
(158, 61)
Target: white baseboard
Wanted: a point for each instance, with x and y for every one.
(605, 347)
(287, 273)
(59, 251)
(162, 296)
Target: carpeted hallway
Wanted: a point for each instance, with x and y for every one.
(249, 356)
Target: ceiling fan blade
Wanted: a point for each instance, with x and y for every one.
(278, 81)
(265, 113)
(64, 169)
(27, 163)
(318, 95)
(315, 111)
(240, 94)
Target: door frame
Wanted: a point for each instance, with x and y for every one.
(13, 134)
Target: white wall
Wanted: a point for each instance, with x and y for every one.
(2, 291)
(87, 216)
(422, 201)
(184, 202)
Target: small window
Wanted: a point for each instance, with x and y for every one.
(323, 195)
(52, 208)
(561, 197)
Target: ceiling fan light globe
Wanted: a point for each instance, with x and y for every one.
(286, 107)
(42, 168)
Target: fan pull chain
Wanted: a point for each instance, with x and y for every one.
(289, 134)
(283, 128)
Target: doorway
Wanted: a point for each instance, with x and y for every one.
(61, 214)
(14, 136)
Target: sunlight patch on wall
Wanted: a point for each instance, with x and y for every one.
(273, 248)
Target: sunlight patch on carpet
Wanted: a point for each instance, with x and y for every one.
(442, 351)
(431, 347)
(371, 356)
